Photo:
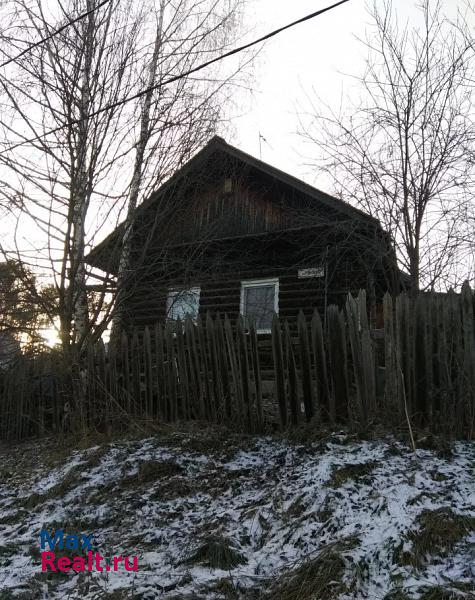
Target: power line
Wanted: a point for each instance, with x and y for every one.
(176, 77)
(53, 34)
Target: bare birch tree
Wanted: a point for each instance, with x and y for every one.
(405, 152)
(71, 163)
(176, 120)
(59, 86)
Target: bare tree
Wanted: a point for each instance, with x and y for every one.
(405, 152)
(176, 120)
(75, 155)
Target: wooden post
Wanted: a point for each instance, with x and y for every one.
(254, 350)
(294, 400)
(279, 371)
(306, 362)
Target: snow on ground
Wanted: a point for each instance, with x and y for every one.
(276, 504)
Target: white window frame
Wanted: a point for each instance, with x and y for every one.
(172, 293)
(250, 283)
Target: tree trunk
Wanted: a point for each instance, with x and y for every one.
(124, 270)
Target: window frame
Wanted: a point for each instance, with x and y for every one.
(172, 292)
(252, 283)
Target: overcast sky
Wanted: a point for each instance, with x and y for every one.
(316, 54)
(320, 54)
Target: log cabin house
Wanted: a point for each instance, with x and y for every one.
(229, 233)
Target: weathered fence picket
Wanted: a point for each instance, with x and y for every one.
(221, 371)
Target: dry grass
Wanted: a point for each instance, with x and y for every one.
(150, 471)
(56, 491)
(320, 578)
(397, 595)
(440, 593)
(14, 595)
(217, 553)
(94, 457)
(442, 446)
(351, 471)
(437, 534)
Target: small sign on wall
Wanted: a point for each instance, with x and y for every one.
(310, 273)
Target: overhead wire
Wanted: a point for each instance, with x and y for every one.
(175, 77)
(53, 34)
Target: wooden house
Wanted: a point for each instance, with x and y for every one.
(231, 234)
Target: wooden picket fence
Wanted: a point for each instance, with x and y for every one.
(418, 371)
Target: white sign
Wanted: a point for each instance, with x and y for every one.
(308, 273)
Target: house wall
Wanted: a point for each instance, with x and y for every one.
(227, 204)
(219, 269)
(233, 223)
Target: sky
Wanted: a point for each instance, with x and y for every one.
(321, 54)
(315, 55)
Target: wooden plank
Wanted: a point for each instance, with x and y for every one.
(320, 361)
(125, 369)
(171, 373)
(224, 368)
(280, 374)
(160, 375)
(148, 376)
(137, 406)
(306, 362)
(215, 373)
(294, 400)
(238, 404)
(256, 369)
(182, 371)
(338, 365)
(245, 373)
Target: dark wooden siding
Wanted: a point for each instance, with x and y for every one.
(220, 268)
(205, 211)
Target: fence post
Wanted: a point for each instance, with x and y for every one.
(279, 371)
(147, 354)
(294, 402)
(321, 375)
(125, 371)
(468, 324)
(306, 362)
(392, 398)
(254, 349)
(354, 333)
(338, 363)
(245, 374)
(223, 362)
(234, 365)
(216, 407)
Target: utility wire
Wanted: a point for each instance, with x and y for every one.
(176, 77)
(53, 34)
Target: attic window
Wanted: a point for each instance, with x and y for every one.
(182, 303)
(228, 185)
(260, 302)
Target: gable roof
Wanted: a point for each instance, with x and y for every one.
(218, 145)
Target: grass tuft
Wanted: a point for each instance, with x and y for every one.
(351, 471)
(320, 578)
(440, 593)
(153, 470)
(397, 595)
(217, 553)
(438, 532)
(56, 491)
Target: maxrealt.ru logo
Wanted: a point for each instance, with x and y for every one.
(81, 543)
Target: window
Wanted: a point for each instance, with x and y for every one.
(260, 301)
(181, 303)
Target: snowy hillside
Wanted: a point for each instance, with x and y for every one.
(221, 516)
